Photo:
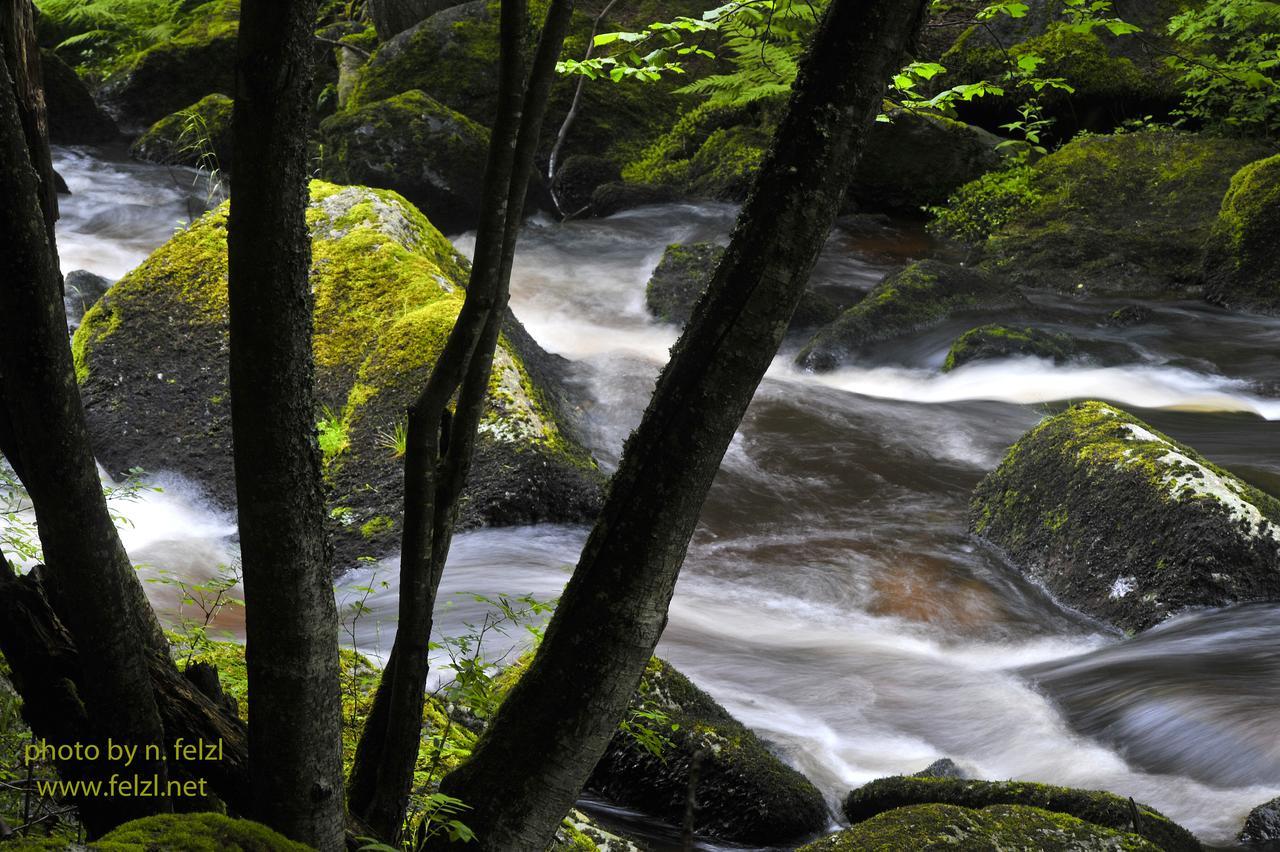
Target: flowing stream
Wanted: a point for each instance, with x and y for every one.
(832, 598)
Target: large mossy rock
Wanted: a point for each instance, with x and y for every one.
(1263, 824)
(1126, 524)
(196, 833)
(74, 117)
(198, 136)
(1007, 828)
(165, 78)
(922, 295)
(686, 269)
(1127, 213)
(152, 359)
(988, 342)
(744, 793)
(417, 146)
(1242, 257)
(1093, 806)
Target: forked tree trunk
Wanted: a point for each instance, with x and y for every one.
(529, 767)
(295, 723)
(440, 445)
(91, 582)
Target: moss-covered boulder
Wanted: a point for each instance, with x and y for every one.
(1242, 257)
(685, 270)
(1001, 341)
(74, 117)
(1126, 524)
(198, 833)
(745, 794)
(1092, 806)
(1263, 823)
(1125, 213)
(453, 57)
(710, 152)
(417, 146)
(152, 359)
(198, 136)
(998, 827)
(580, 833)
(165, 78)
(922, 295)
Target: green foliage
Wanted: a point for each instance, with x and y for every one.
(199, 604)
(1229, 60)
(395, 440)
(986, 205)
(333, 435)
(123, 25)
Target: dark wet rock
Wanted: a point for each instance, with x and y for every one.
(1124, 214)
(1000, 341)
(577, 179)
(996, 827)
(197, 136)
(745, 794)
(1092, 806)
(1129, 316)
(922, 295)
(1262, 824)
(613, 198)
(683, 273)
(416, 146)
(151, 356)
(1242, 256)
(1126, 524)
(80, 289)
(942, 768)
(60, 184)
(74, 117)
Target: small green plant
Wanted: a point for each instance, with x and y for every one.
(395, 440)
(332, 434)
(196, 141)
(192, 637)
(986, 205)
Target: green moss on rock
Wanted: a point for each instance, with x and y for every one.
(1242, 257)
(1126, 524)
(745, 794)
(1000, 341)
(923, 294)
(198, 833)
(190, 137)
(999, 827)
(416, 146)
(387, 288)
(1125, 213)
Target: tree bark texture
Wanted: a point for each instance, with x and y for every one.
(440, 444)
(295, 723)
(392, 17)
(529, 767)
(91, 583)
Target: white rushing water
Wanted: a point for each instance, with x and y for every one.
(832, 598)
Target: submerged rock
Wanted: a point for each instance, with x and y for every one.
(414, 145)
(1129, 316)
(1126, 524)
(1095, 807)
(1125, 213)
(1242, 256)
(1262, 824)
(152, 360)
(997, 827)
(686, 269)
(1000, 341)
(198, 136)
(74, 117)
(744, 793)
(922, 295)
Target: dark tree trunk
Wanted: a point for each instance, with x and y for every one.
(91, 582)
(392, 17)
(295, 725)
(18, 33)
(435, 466)
(529, 767)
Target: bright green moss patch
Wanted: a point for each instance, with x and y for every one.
(1001, 341)
(984, 206)
(197, 833)
(711, 151)
(1242, 257)
(198, 136)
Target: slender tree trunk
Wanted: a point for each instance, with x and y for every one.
(91, 581)
(440, 445)
(295, 725)
(392, 17)
(529, 767)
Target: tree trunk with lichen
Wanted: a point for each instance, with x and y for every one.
(530, 765)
